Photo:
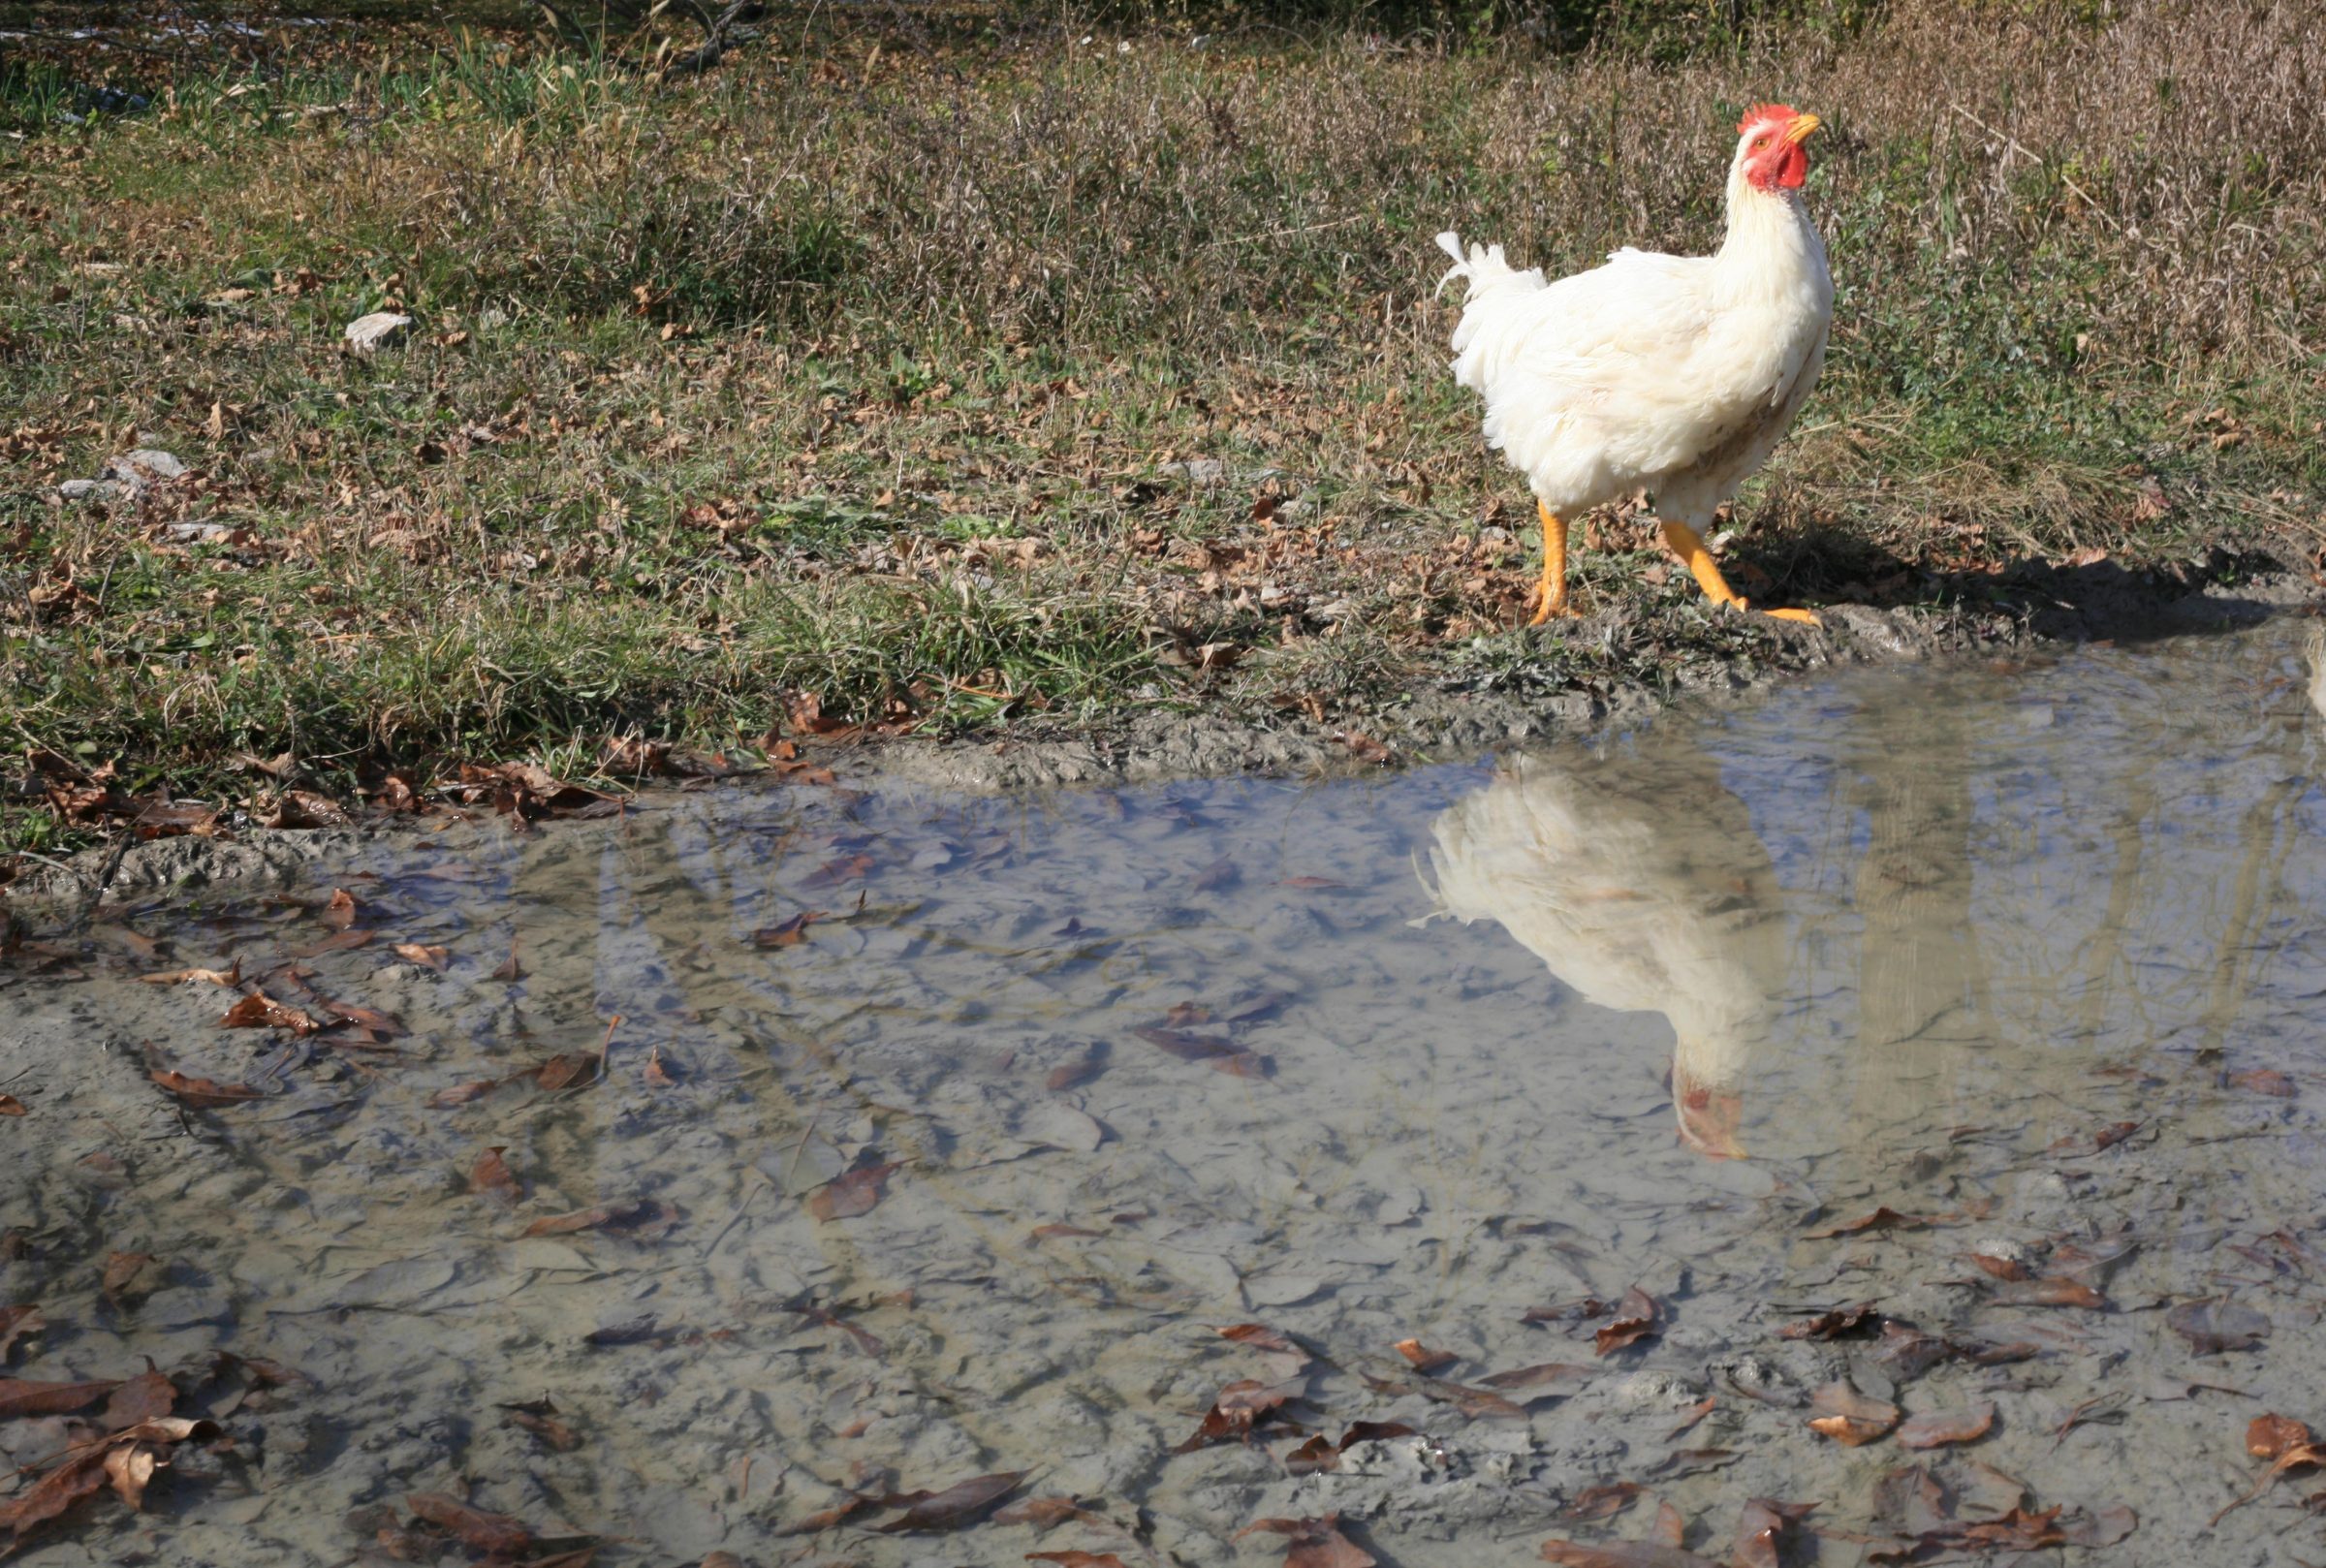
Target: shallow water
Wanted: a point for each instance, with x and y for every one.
(1485, 1038)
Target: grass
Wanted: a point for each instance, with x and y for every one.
(872, 366)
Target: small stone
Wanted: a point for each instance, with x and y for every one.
(197, 533)
(1655, 1390)
(89, 489)
(143, 466)
(1199, 470)
(382, 329)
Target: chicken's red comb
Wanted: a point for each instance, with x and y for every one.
(1784, 113)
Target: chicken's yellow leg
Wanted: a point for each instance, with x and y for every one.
(1552, 594)
(1683, 541)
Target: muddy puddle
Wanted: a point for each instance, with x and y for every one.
(939, 1136)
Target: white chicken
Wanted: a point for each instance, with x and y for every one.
(1672, 375)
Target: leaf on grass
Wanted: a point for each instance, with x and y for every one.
(16, 1322)
(787, 932)
(1312, 1542)
(1850, 1417)
(491, 1176)
(475, 1529)
(1884, 1218)
(1241, 1407)
(1423, 1359)
(2270, 1436)
(22, 1396)
(1862, 1318)
(1636, 1318)
(641, 1219)
(855, 1193)
(960, 1504)
(2212, 1325)
(1214, 1052)
(259, 1011)
(425, 955)
(1936, 1428)
(203, 1093)
(230, 977)
(2052, 1292)
(2264, 1081)
(1766, 1533)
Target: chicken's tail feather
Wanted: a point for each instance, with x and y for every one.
(1481, 266)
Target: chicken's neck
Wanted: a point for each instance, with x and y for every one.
(1772, 251)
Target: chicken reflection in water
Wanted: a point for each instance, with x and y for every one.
(1639, 881)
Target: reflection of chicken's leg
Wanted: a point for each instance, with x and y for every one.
(1683, 541)
(1552, 594)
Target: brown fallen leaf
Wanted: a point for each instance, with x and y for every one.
(82, 1475)
(1603, 1501)
(2048, 1292)
(340, 911)
(129, 1276)
(509, 969)
(1312, 1542)
(1241, 1407)
(1668, 1529)
(1042, 1512)
(2270, 1436)
(2010, 1269)
(130, 1468)
(203, 1093)
(855, 1193)
(11, 1106)
(491, 1176)
(1936, 1428)
(259, 1011)
(1690, 1417)
(475, 1528)
(1765, 1533)
(539, 1418)
(1214, 1052)
(229, 978)
(2212, 1325)
(565, 1070)
(1841, 1321)
(428, 957)
(960, 1504)
(643, 1220)
(1621, 1555)
(143, 1398)
(2264, 1081)
(1850, 1417)
(1554, 1379)
(461, 1093)
(1884, 1218)
(787, 932)
(1080, 1070)
(2106, 1137)
(22, 1396)
(655, 1073)
(1423, 1359)
(1260, 1336)
(16, 1323)
(1636, 1318)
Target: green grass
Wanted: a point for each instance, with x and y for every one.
(869, 376)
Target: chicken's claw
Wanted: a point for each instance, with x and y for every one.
(1806, 618)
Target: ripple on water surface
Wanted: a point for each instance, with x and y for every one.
(939, 1136)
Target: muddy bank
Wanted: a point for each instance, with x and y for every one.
(791, 1150)
(2053, 607)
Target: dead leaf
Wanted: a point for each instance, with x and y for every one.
(83, 1475)
(259, 1011)
(655, 1073)
(22, 1396)
(2269, 1437)
(143, 1398)
(2000, 1267)
(1636, 1318)
(539, 1418)
(2214, 1325)
(16, 1323)
(1622, 1554)
(130, 1468)
(475, 1529)
(1668, 1529)
(855, 1193)
(643, 1219)
(491, 1176)
(786, 934)
(11, 1106)
(129, 1275)
(509, 969)
(1850, 1417)
(1423, 1359)
(1603, 1501)
(960, 1504)
(1221, 1054)
(1042, 1512)
(1556, 1378)
(1936, 1428)
(1765, 1530)
(203, 1093)
(2264, 1081)
(1076, 1560)
(1080, 1070)
(2049, 1293)
(565, 1070)
(1241, 1407)
(426, 957)
(463, 1093)
(229, 978)
(1312, 1542)
(1884, 1218)
(340, 911)
(1834, 1325)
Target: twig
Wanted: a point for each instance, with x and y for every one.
(1281, 233)
(2018, 145)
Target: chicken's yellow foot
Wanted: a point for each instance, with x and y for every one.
(1686, 542)
(1551, 594)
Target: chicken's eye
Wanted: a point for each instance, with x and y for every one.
(1759, 141)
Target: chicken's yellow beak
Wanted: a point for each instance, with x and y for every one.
(1799, 131)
